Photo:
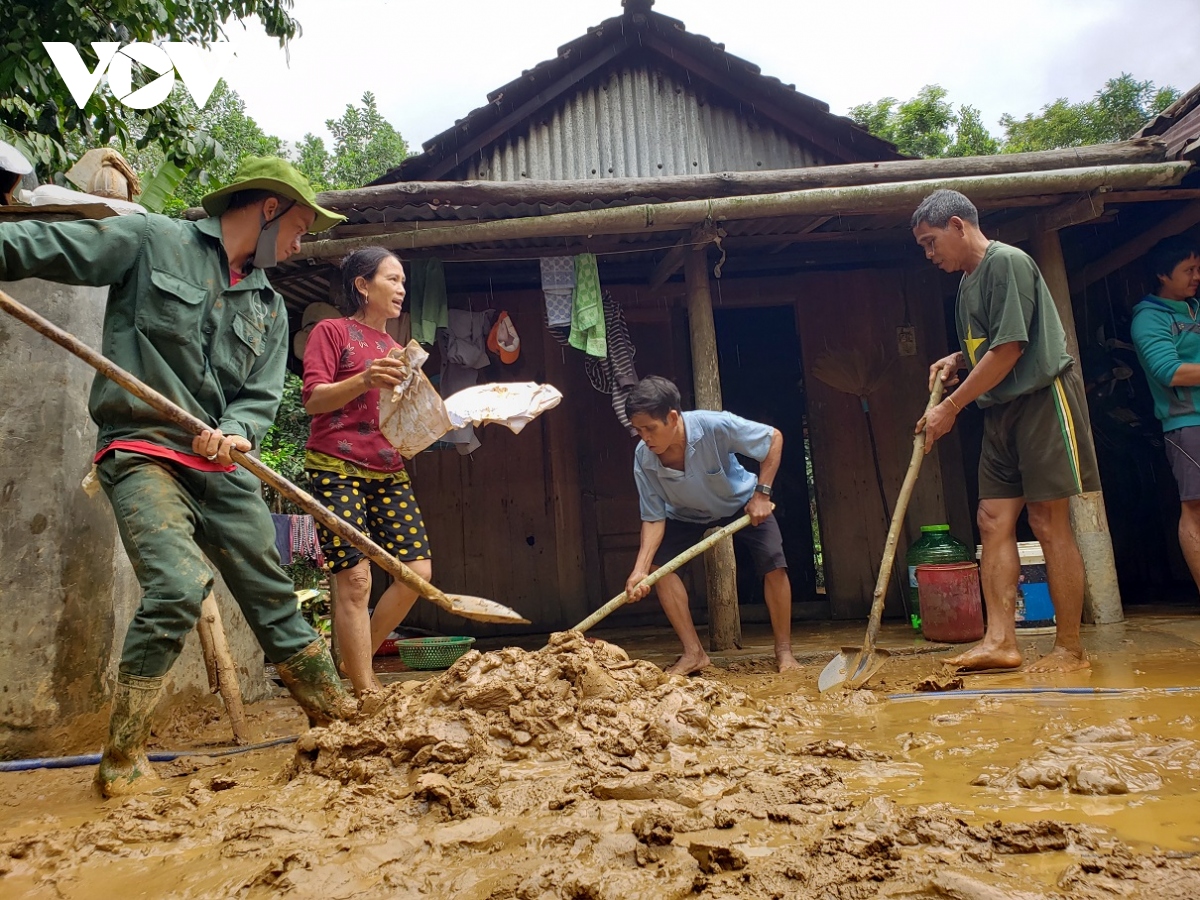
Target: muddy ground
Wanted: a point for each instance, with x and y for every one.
(577, 772)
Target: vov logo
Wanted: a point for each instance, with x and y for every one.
(199, 69)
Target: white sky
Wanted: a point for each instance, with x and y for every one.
(431, 63)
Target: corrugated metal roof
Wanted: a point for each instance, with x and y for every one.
(637, 122)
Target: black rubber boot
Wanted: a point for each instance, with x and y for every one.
(311, 678)
(124, 767)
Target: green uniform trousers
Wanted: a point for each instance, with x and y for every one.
(170, 518)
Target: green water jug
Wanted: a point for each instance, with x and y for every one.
(936, 545)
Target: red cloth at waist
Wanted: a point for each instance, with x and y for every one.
(191, 460)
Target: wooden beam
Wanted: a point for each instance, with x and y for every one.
(651, 218)
(1102, 596)
(1179, 221)
(724, 623)
(731, 184)
(701, 236)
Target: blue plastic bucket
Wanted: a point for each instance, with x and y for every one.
(1034, 607)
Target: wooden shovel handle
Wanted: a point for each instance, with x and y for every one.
(666, 569)
(893, 535)
(174, 413)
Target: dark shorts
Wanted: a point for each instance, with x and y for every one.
(385, 509)
(1183, 453)
(1039, 446)
(762, 541)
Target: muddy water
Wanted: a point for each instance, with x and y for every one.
(576, 772)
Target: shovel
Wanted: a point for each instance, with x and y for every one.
(476, 608)
(686, 556)
(854, 667)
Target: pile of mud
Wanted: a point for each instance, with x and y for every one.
(574, 701)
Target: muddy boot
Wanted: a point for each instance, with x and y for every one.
(312, 679)
(124, 767)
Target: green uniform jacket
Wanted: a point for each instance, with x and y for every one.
(172, 320)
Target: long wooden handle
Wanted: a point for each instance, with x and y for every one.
(666, 569)
(893, 535)
(174, 413)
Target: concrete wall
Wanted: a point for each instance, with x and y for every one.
(67, 590)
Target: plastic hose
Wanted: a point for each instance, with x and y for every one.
(1026, 691)
(92, 759)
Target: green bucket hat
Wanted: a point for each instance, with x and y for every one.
(270, 173)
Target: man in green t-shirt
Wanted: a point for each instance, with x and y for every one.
(1037, 450)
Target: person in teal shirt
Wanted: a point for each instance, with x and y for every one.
(1167, 337)
(191, 313)
(689, 479)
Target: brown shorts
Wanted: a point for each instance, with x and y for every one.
(1039, 445)
(763, 541)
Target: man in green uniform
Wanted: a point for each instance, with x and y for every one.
(191, 313)
(1037, 451)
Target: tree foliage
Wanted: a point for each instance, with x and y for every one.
(37, 112)
(928, 125)
(1115, 113)
(365, 146)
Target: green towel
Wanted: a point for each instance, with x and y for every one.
(587, 312)
(427, 300)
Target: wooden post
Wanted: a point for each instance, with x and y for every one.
(1089, 521)
(720, 570)
(222, 674)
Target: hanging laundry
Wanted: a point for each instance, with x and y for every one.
(296, 536)
(558, 286)
(615, 374)
(426, 300)
(503, 339)
(587, 311)
(464, 352)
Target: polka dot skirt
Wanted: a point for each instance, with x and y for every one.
(385, 509)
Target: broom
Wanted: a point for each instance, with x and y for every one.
(852, 372)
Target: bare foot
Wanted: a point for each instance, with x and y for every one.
(785, 661)
(983, 656)
(1060, 659)
(689, 665)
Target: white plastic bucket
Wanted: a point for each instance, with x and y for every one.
(1034, 607)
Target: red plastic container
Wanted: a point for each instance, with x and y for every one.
(951, 610)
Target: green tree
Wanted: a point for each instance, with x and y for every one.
(1115, 113)
(37, 112)
(365, 145)
(972, 137)
(923, 126)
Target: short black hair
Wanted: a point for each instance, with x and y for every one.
(1164, 256)
(364, 262)
(938, 208)
(655, 396)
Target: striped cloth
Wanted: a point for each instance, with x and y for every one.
(613, 374)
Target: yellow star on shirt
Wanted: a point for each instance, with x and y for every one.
(973, 343)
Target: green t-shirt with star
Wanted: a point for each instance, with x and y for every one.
(1004, 300)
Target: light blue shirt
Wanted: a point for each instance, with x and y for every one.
(713, 483)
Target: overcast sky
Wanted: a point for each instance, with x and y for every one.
(431, 63)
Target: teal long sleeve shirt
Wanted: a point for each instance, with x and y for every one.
(172, 320)
(1167, 335)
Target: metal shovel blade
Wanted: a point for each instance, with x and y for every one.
(479, 609)
(851, 668)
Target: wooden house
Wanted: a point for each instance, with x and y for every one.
(746, 233)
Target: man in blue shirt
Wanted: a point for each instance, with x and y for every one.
(688, 481)
(1167, 336)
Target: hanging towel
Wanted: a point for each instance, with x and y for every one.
(558, 285)
(587, 312)
(427, 300)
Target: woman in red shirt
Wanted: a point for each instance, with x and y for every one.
(351, 467)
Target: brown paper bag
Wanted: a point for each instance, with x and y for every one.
(412, 415)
